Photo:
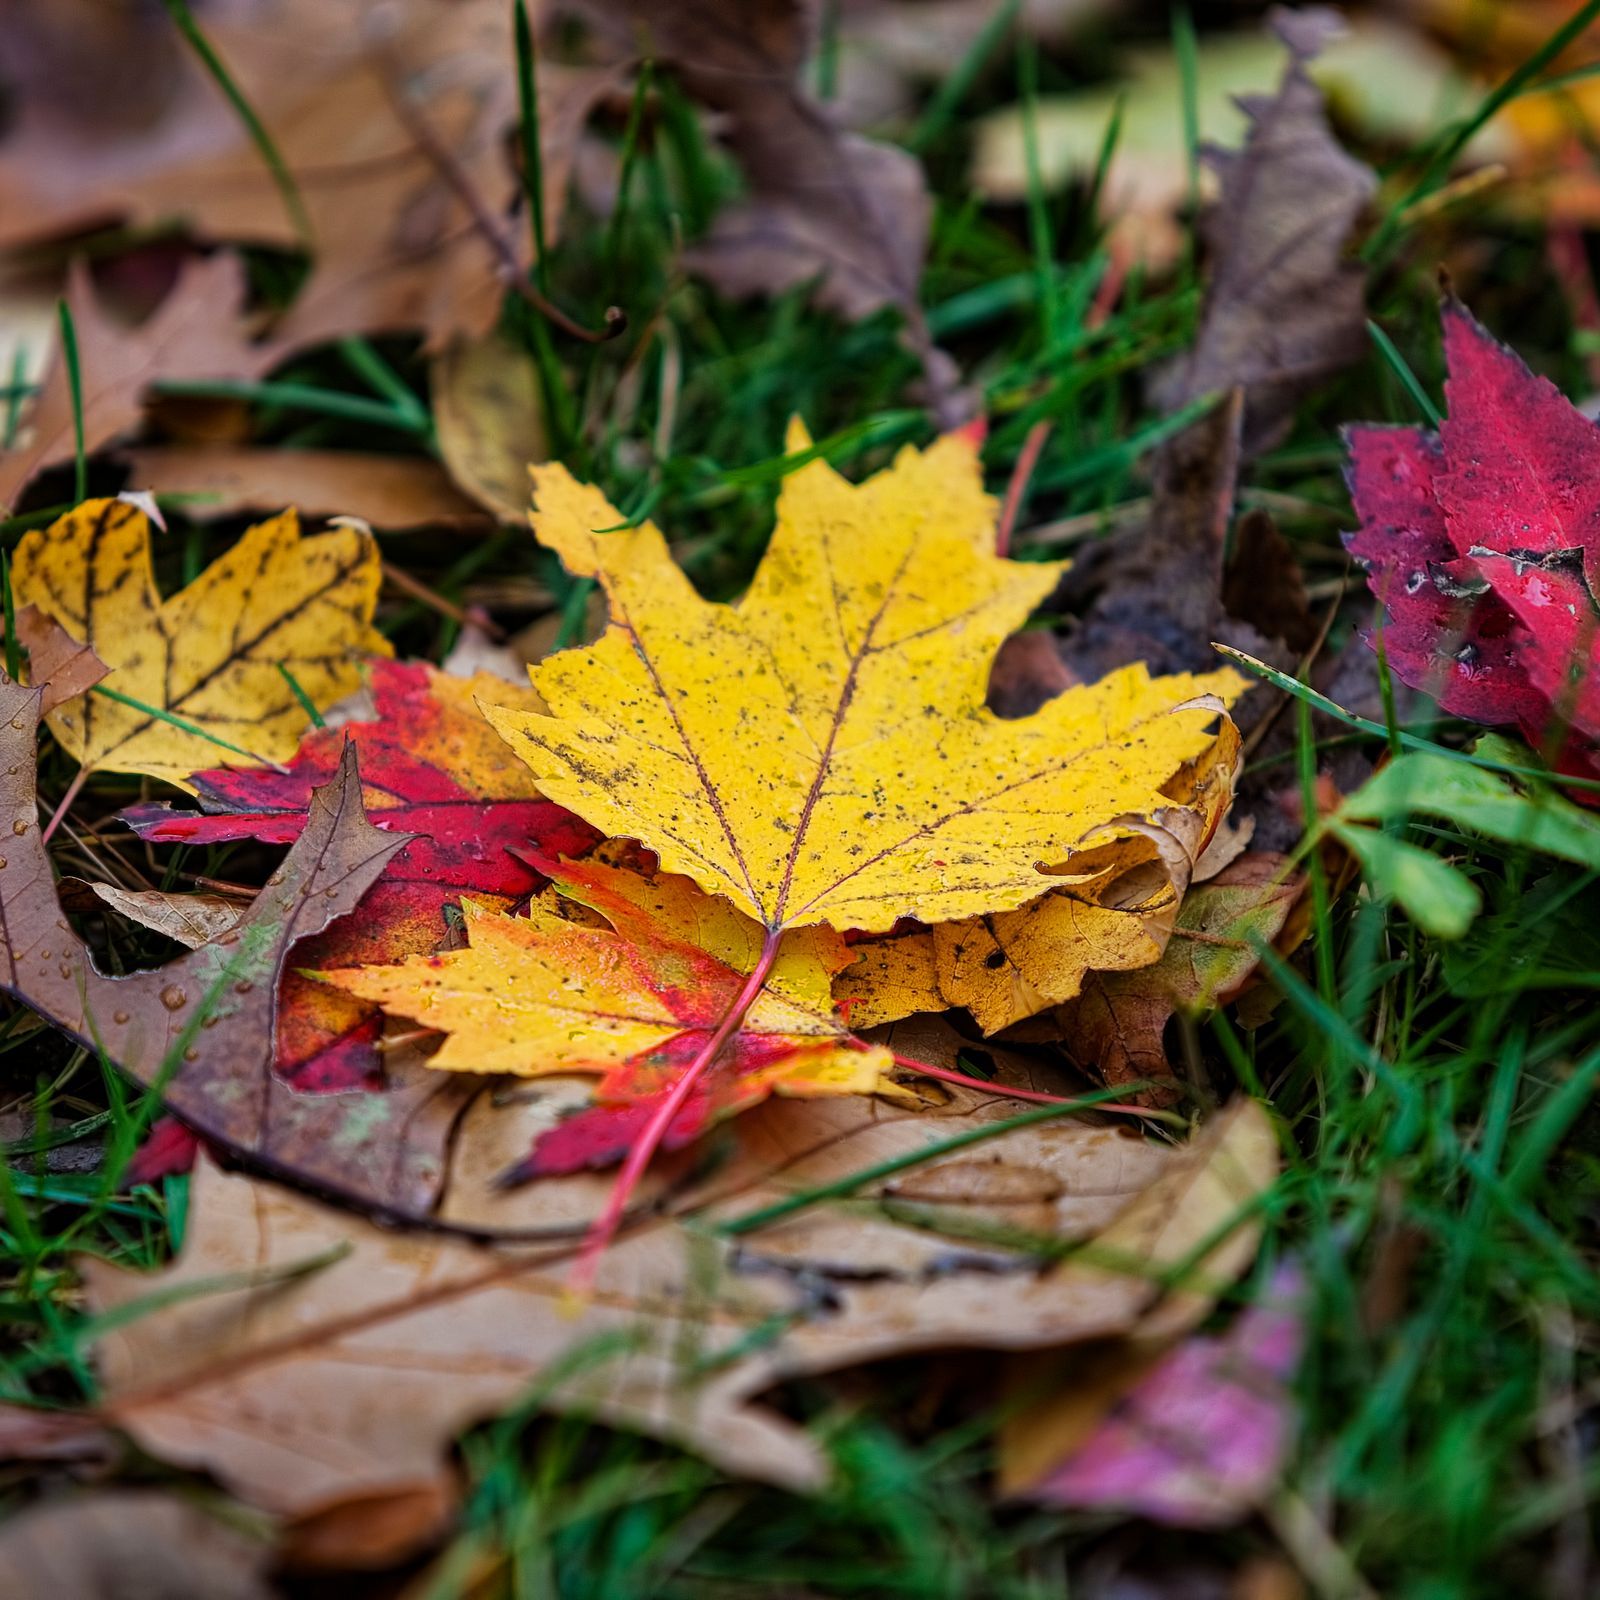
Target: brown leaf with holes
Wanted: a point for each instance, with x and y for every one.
(351, 1356)
(198, 331)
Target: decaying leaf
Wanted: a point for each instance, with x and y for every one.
(821, 752)
(1381, 75)
(387, 491)
(1284, 306)
(633, 1000)
(1483, 544)
(488, 412)
(1114, 911)
(61, 667)
(197, 332)
(432, 769)
(215, 656)
(130, 1545)
(1114, 1027)
(824, 205)
(377, 111)
(1194, 1436)
(351, 1356)
(190, 919)
(203, 1025)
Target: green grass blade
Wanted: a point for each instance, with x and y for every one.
(184, 21)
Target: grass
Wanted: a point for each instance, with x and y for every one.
(1442, 1157)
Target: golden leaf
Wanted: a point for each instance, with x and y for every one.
(1113, 913)
(821, 751)
(633, 998)
(214, 656)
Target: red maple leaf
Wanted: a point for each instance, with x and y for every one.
(430, 765)
(1483, 544)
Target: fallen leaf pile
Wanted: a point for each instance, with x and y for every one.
(1482, 543)
(696, 869)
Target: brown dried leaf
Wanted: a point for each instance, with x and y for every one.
(190, 919)
(1115, 1026)
(387, 491)
(211, 1015)
(1285, 306)
(366, 104)
(198, 331)
(488, 411)
(129, 1545)
(62, 667)
(309, 1388)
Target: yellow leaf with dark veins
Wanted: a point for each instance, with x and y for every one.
(820, 752)
(214, 656)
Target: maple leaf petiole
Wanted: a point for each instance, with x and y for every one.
(649, 1141)
(926, 1069)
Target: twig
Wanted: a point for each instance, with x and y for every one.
(1027, 460)
(475, 618)
(926, 1069)
(483, 220)
(73, 790)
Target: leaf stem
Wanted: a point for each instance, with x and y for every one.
(946, 1075)
(639, 1157)
(61, 810)
(1017, 489)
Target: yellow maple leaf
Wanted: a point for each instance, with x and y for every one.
(821, 751)
(1113, 913)
(632, 994)
(214, 656)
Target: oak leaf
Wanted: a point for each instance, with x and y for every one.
(432, 768)
(821, 751)
(635, 1000)
(1483, 544)
(219, 655)
(302, 1388)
